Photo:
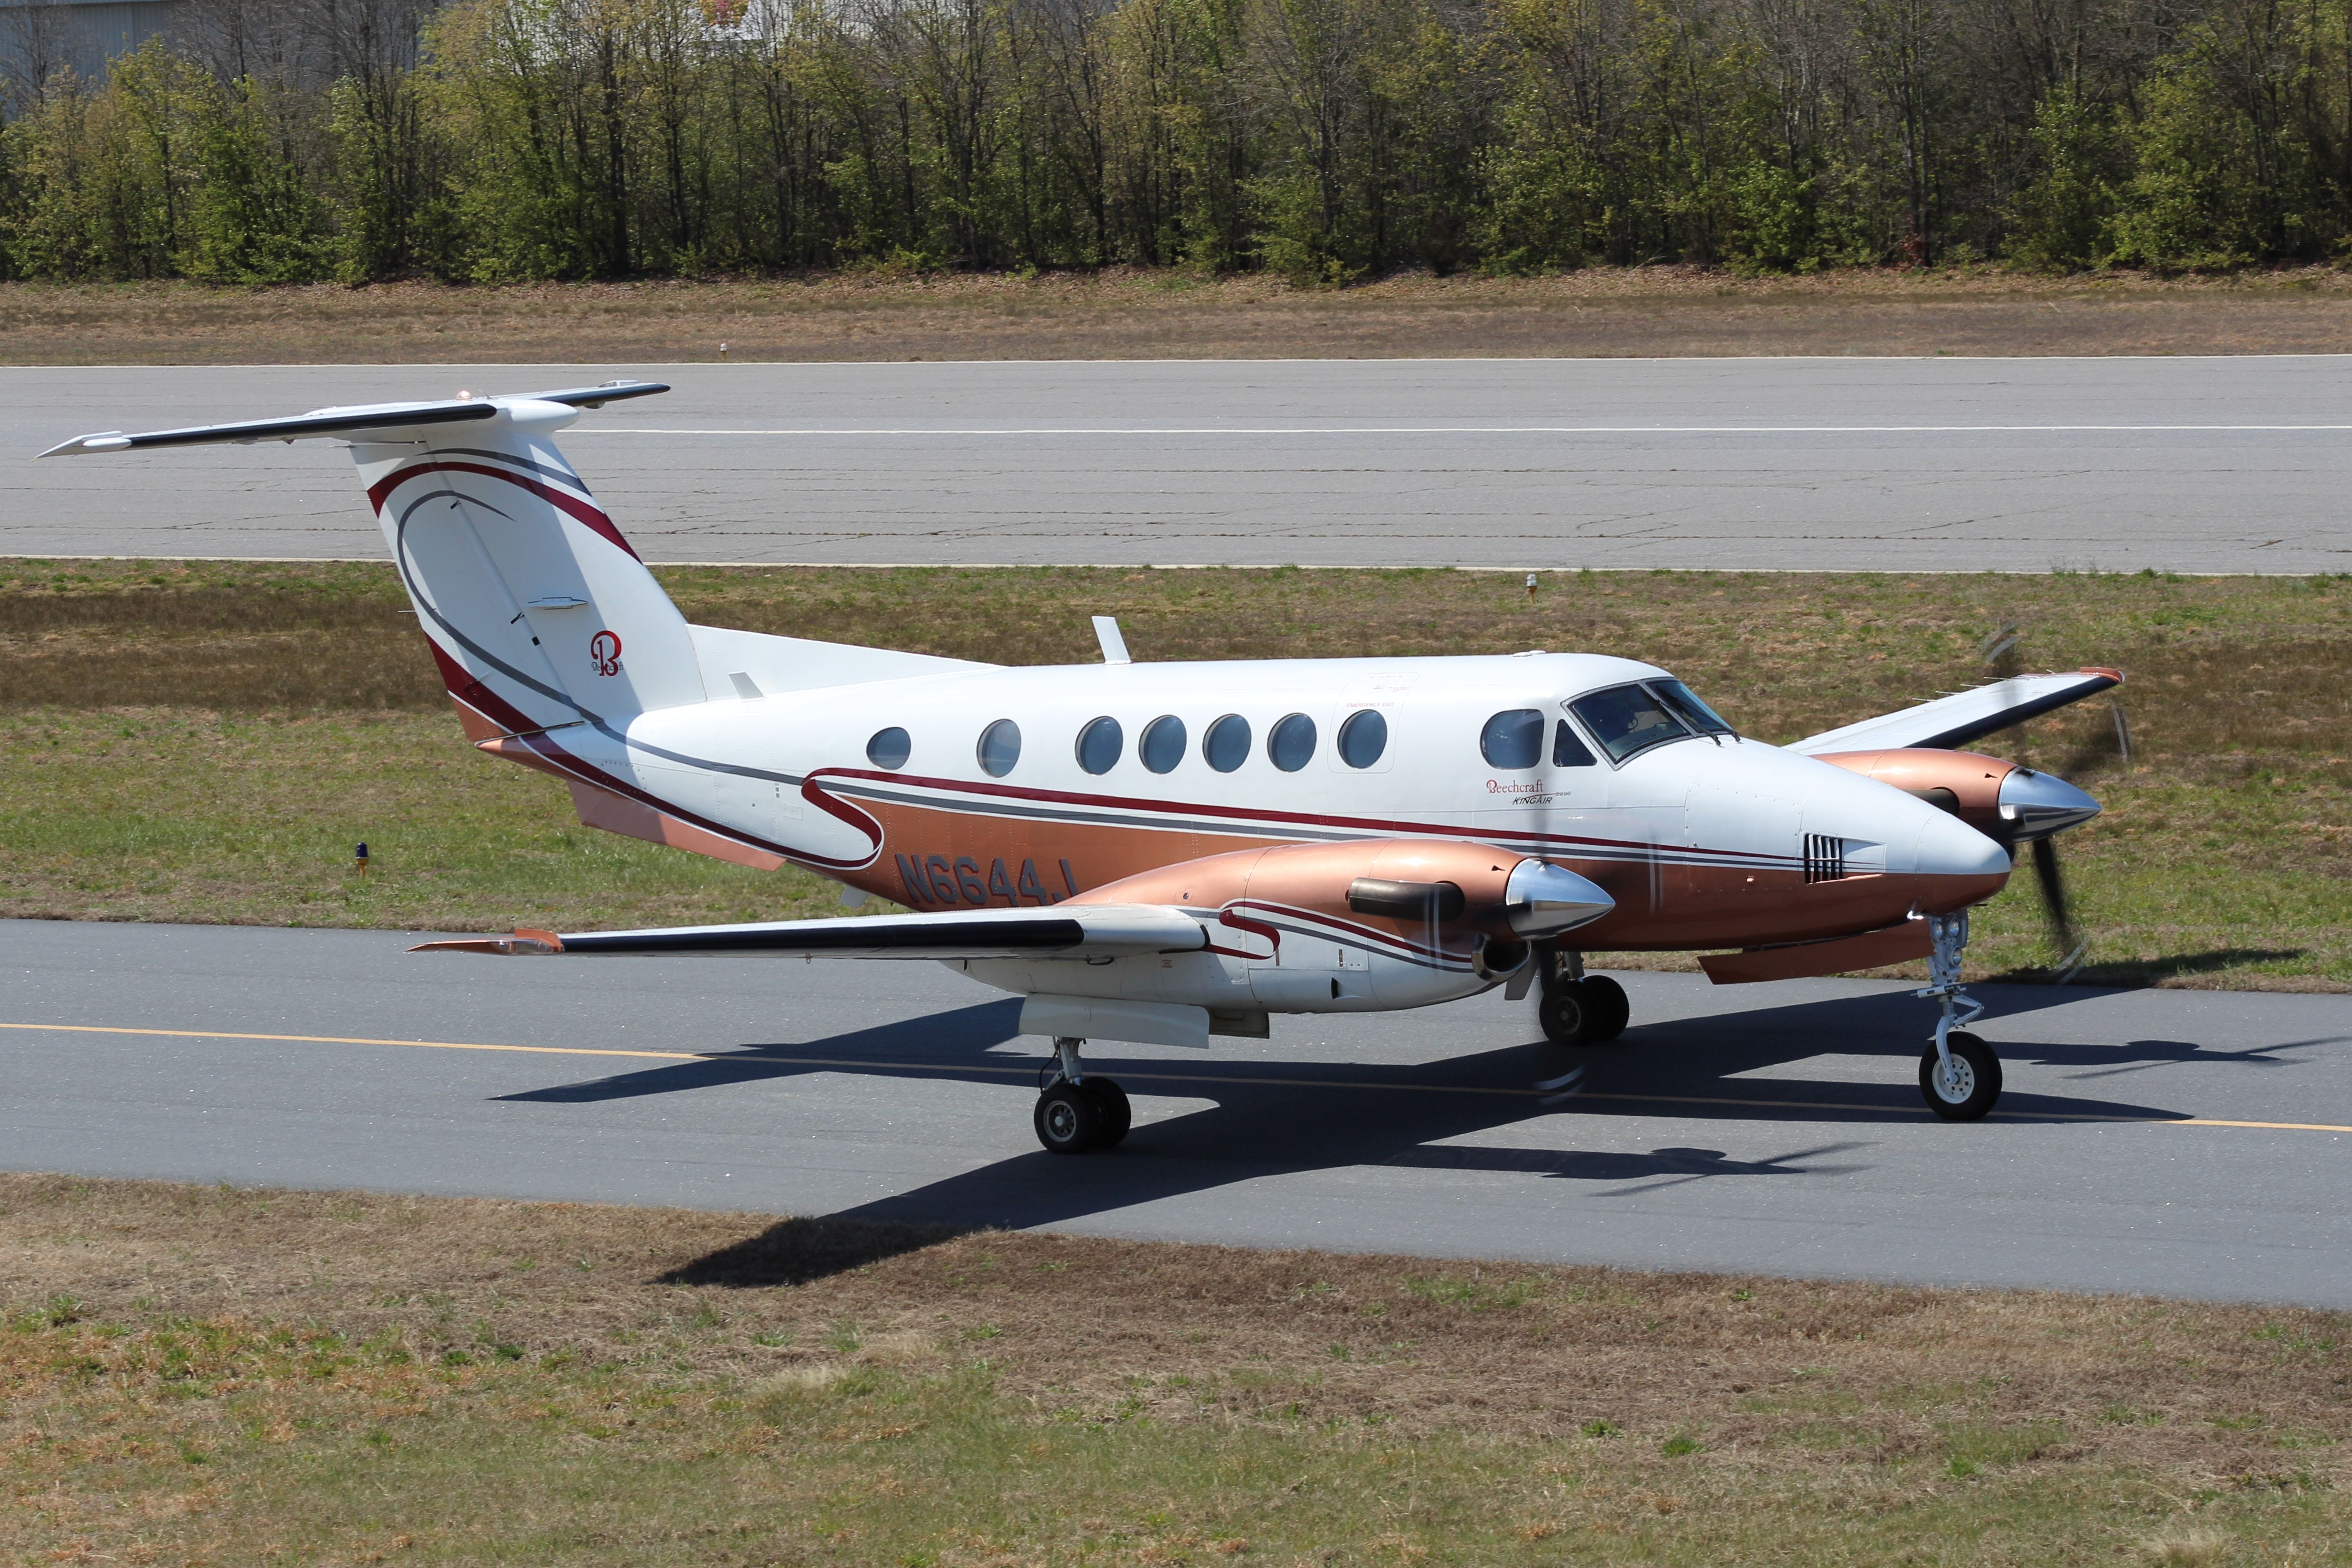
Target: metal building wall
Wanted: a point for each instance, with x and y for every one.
(38, 40)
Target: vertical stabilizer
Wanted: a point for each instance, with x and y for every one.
(540, 611)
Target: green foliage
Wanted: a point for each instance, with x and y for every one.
(1324, 139)
(256, 218)
(2065, 214)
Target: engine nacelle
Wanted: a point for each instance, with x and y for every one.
(2001, 800)
(1326, 928)
(1392, 888)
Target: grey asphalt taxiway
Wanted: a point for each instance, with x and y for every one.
(2032, 465)
(2185, 1143)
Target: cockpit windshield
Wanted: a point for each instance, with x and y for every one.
(1689, 709)
(1627, 720)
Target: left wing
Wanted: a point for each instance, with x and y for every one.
(1089, 931)
(1953, 721)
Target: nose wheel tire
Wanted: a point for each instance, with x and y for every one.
(1114, 1114)
(1588, 1012)
(1565, 1014)
(1067, 1120)
(1974, 1084)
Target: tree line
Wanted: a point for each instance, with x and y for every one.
(274, 141)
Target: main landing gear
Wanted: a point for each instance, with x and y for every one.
(1577, 1008)
(1077, 1112)
(1959, 1075)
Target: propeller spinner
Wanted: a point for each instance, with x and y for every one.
(2033, 805)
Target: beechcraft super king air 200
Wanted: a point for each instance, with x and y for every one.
(1159, 852)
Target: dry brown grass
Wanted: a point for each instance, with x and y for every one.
(1660, 310)
(2201, 1394)
(1785, 653)
(205, 1375)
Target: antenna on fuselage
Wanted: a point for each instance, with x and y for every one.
(1114, 645)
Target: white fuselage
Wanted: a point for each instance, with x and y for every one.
(1703, 841)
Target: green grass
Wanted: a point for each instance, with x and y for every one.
(266, 1443)
(207, 742)
(181, 815)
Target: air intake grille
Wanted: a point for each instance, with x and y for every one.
(1824, 857)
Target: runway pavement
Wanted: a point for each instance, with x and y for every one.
(2186, 1143)
(2189, 465)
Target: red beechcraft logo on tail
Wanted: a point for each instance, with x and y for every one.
(605, 652)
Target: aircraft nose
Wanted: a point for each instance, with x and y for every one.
(1950, 847)
(2036, 806)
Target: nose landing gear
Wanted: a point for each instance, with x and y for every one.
(1577, 1008)
(1077, 1112)
(1959, 1075)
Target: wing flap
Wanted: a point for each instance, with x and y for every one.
(1096, 931)
(1964, 716)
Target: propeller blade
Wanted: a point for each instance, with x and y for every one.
(1999, 650)
(2002, 659)
(2108, 742)
(2052, 883)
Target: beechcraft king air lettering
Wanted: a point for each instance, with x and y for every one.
(1160, 852)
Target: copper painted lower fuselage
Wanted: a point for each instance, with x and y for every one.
(1661, 905)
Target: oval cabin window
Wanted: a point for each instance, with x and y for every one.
(1227, 745)
(889, 748)
(1162, 746)
(1290, 744)
(1099, 745)
(1514, 740)
(1364, 738)
(1000, 748)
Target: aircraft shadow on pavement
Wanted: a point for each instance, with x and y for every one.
(2180, 963)
(1305, 1115)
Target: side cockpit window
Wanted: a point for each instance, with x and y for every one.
(1568, 750)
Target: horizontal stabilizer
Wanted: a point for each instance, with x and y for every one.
(1093, 930)
(1964, 716)
(324, 422)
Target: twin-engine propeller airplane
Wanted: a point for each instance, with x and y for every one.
(1161, 852)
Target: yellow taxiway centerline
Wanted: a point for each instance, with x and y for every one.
(352, 1040)
(1026, 1069)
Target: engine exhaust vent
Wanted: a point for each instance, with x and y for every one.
(1406, 900)
(1824, 857)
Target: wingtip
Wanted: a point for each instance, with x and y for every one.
(104, 441)
(525, 940)
(2112, 674)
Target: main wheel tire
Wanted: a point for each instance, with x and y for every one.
(1612, 1009)
(1067, 1121)
(1567, 1013)
(1977, 1072)
(1115, 1115)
